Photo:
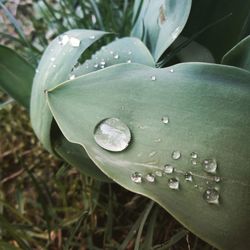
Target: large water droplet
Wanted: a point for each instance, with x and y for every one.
(150, 177)
(212, 196)
(74, 42)
(188, 176)
(174, 183)
(176, 155)
(165, 119)
(209, 166)
(63, 39)
(112, 134)
(194, 155)
(136, 177)
(168, 169)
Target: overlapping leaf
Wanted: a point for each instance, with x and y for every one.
(160, 22)
(208, 110)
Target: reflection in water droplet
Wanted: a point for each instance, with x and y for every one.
(217, 179)
(129, 61)
(158, 173)
(165, 119)
(116, 56)
(168, 169)
(74, 42)
(130, 52)
(173, 183)
(212, 196)
(188, 176)
(92, 37)
(194, 155)
(150, 177)
(96, 65)
(63, 40)
(136, 177)
(176, 155)
(112, 134)
(209, 166)
(171, 70)
(153, 78)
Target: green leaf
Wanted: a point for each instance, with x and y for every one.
(16, 75)
(208, 108)
(239, 55)
(160, 22)
(125, 50)
(222, 37)
(54, 68)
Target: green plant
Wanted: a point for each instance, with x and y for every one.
(186, 121)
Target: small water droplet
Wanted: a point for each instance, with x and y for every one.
(168, 169)
(37, 71)
(176, 155)
(129, 61)
(158, 173)
(153, 78)
(111, 52)
(152, 154)
(52, 59)
(212, 196)
(194, 162)
(92, 37)
(136, 177)
(96, 65)
(165, 119)
(63, 39)
(217, 179)
(72, 77)
(194, 155)
(188, 176)
(173, 183)
(102, 62)
(102, 66)
(150, 177)
(209, 166)
(130, 52)
(171, 70)
(116, 56)
(54, 65)
(74, 42)
(157, 140)
(112, 134)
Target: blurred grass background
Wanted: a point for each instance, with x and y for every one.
(44, 203)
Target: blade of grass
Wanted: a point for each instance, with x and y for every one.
(144, 218)
(97, 14)
(174, 239)
(109, 223)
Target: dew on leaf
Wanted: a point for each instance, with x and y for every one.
(212, 196)
(171, 70)
(112, 134)
(96, 65)
(158, 173)
(129, 61)
(153, 153)
(165, 119)
(176, 155)
(116, 56)
(63, 40)
(136, 177)
(209, 166)
(173, 183)
(194, 155)
(217, 179)
(74, 42)
(194, 162)
(150, 177)
(188, 176)
(168, 169)
(153, 78)
(52, 59)
(130, 52)
(92, 37)
(72, 77)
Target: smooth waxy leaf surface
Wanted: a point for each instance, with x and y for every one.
(207, 109)
(55, 67)
(160, 22)
(239, 55)
(125, 50)
(16, 75)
